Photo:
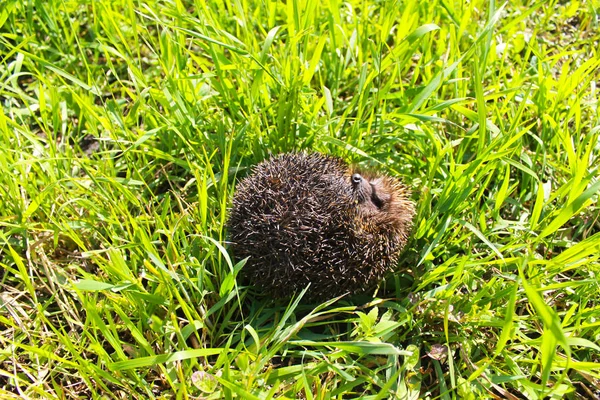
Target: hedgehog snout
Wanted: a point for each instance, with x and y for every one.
(361, 187)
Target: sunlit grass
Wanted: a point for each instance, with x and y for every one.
(125, 125)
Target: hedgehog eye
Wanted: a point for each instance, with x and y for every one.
(356, 179)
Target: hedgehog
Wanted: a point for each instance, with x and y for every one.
(308, 218)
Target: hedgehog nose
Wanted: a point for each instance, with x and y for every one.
(356, 179)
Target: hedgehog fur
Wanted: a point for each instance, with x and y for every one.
(308, 218)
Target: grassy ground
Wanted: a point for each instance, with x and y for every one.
(125, 125)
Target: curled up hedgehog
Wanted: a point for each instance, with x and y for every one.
(309, 218)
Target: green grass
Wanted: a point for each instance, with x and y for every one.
(125, 125)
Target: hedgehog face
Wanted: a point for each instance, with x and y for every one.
(371, 194)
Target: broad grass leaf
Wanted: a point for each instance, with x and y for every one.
(581, 342)
(362, 348)
(143, 362)
(420, 32)
(508, 326)
(571, 209)
(92, 286)
(553, 333)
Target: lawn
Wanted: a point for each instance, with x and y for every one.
(126, 124)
